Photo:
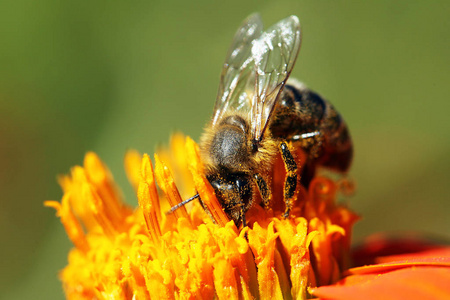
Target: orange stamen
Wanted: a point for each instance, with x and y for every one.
(203, 186)
(98, 210)
(149, 200)
(101, 178)
(167, 184)
(73, 227)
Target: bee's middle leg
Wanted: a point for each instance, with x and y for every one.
(290, 184)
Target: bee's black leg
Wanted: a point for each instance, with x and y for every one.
(244, 221)
(290, 184)
(244, 224)
(264, 190)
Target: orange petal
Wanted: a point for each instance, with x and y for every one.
(401, 264)
(383, 245)
(409, 283)
(442, 252)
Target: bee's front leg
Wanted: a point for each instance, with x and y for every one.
(290, 184)
(264, 191)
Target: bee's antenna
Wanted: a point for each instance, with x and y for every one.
(174, 208)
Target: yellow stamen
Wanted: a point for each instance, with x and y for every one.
(262, 242)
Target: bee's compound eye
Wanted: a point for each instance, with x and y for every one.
(232, 189)
(244, 188)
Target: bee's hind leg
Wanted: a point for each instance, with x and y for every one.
(290, 184)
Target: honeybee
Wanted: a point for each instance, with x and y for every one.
(258, 113)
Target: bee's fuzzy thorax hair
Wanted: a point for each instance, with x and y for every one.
(258, 161)
(267, 150)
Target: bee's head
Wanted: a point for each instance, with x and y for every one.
(234, 192)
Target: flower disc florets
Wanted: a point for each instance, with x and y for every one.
(121, 253)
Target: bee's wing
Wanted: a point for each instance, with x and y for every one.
(238, 69)
(274, 54)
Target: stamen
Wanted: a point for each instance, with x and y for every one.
(99, 211)
(262, 242)
(203, 186)
(149, 200)
(70, 222)
(100, 177)
(167, 184)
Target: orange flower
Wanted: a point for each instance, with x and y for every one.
(121, 253)
(403, 268)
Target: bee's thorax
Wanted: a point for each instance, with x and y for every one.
(229, 149)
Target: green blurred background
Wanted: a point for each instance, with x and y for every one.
(112, 75)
